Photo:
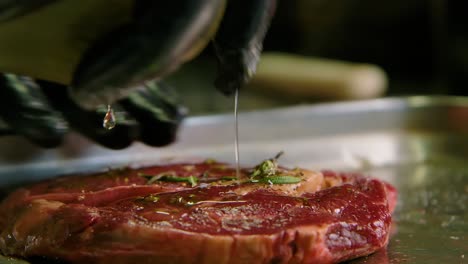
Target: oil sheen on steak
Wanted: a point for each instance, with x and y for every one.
(117, 217)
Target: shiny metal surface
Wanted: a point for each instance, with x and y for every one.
(420, 144)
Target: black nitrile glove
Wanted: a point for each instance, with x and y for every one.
(43, 112)
(124, 68)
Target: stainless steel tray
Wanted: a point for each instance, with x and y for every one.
(420, 144)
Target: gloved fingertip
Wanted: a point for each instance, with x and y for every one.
(104, 74)
(160, 38)
(91, 100)
(158, 113)
(228, 83)
(235, 67)
(47, 135)
(238, 43)
(159, 135)
(90, 123)
(27, 112)
(117, 138)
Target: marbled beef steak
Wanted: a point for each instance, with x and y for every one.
(198, 213)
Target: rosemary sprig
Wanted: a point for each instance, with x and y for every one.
(169, 177)
(268, 172)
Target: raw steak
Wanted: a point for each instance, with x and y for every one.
(196, 213)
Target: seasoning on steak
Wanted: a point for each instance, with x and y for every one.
(197, 213)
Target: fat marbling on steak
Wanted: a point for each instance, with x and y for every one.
(197, 213)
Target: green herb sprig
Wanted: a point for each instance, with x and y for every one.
(169, 177)
(268, 172)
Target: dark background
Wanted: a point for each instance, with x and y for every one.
(421, 44)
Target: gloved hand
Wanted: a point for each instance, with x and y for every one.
(125, 67)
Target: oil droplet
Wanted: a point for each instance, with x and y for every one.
(109, 118)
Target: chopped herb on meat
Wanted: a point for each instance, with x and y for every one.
(169, 176)
(268, 172)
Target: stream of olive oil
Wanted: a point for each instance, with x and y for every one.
(236, 132)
